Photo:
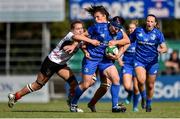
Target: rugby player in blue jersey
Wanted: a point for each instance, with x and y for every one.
(149, 43)
(98, 59)
(128, 74)
(115, 27)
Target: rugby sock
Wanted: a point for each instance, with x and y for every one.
(136, 100)
(114, 93)
(148, 102)
(72, 83)
(130, 93)
(143, 94)
(99, 93)
(78, 93)
(17, 96)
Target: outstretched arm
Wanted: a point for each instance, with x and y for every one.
(162, 48)
(86, 39)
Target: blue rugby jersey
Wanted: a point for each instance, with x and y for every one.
(100, 32)
(129, 54)
(147, 44)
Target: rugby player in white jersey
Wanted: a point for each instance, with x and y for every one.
(55, 62)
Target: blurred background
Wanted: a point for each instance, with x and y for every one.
(30, 29)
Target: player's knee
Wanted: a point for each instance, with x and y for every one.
(141, 81)
(127, 87)
(72, 80)
(38, 85)
(85, 86)
(150, 86)
(136, 90)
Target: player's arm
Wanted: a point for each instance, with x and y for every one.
(122, 49)
(162, 45)
(162, 48)
(125, 40)
(70, 48)
(86, 53)
(86, 39)
(121, 52)
(120, 61)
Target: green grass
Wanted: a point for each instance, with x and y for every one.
(59, 109)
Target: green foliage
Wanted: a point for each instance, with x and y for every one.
(59, 29)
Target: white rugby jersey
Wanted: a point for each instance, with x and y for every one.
(58, 55)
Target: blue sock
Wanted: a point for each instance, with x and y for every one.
(135, 100)
(143, 94)
(115, 94)
(78, 93)
(148, 102)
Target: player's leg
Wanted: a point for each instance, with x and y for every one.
(141, 78)
(38, 84)
(152, 73)
(142, 91)
(89, 68)
(128, 85)
(136, 95)
(112, 74)
(42, 77)
(67, 74)
(101, 91)
(150, 91)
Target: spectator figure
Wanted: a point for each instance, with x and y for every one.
(172, 65)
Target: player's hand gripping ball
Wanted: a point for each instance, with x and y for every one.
(113, 50)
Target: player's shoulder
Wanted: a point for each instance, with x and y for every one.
(101, 25)
(69, 34)
(140, 28)
(156, 30)
(120, 33)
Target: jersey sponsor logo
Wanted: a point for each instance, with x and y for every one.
(146, 43)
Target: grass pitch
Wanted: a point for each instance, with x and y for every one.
(59, 109)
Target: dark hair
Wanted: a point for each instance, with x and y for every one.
(93, 9)
(174, 52)
(119, 19)
(76, 22)
(156, 20)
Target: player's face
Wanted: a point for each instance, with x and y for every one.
(99, 17)
(78, 29)
(132, 27)
(150, 23)
(113, 29)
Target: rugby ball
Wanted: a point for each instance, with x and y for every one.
(112, 50)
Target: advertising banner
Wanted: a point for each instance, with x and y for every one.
(167, 88)
(130, 9)
(11, 84)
